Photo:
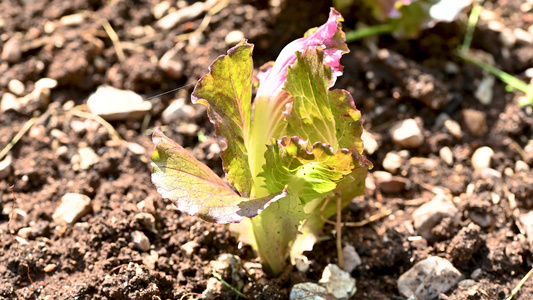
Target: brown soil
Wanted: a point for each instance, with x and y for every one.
(95, 258)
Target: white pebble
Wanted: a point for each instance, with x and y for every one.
(407, 133)
(481, 157)
(446, 155)
(16, 87)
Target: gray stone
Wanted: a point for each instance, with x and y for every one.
(436, 274)
(118, 105)
(338, 282)
(351, 258)
(73, 206)
(430, 214)
(309, 291)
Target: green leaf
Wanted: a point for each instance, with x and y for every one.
(227, 93)
(307, 171)
(196, 189)
(308, 82)
(348, 122)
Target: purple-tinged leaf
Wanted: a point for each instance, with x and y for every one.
(196, 189)
(227, 93)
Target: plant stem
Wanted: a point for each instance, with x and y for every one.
(358, 34)
(472, 21)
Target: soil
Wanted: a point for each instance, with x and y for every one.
(95, 257)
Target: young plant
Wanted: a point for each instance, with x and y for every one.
(297, 144)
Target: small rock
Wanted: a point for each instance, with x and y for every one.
(523, 36)
(369, 142)
(229, 267)
(388, 183)
(442, 276)
(309, 291)
(178, 112)
(49, 268)
(484, 90)
(5, 167)
(526, 219)
(10, 102)
(475, 121)
(24, 232)
(481, 157)
(529, 71)
(392, 162)
(150, 260)
(12, 52)
(188, 129)
(465, 244)
(72, 20)
(73, 206)
(213, 289)
(45, 83)
(234, 37)
(487, 173)
(140, 240)
(181, 16)
(476, 274)
(16, 87)
(338, 282)
(136, 148)
(118, 105)
(427, 164)
(171, 62)
(507, 38)
(430, 214)
(351, 258)
(189, 247)
(454, 128)
(520, 166)
(84, 159)
(407, 133)
(446, 155)
(60, 136)
(160, 9)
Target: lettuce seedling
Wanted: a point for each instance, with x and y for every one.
(297, 144)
